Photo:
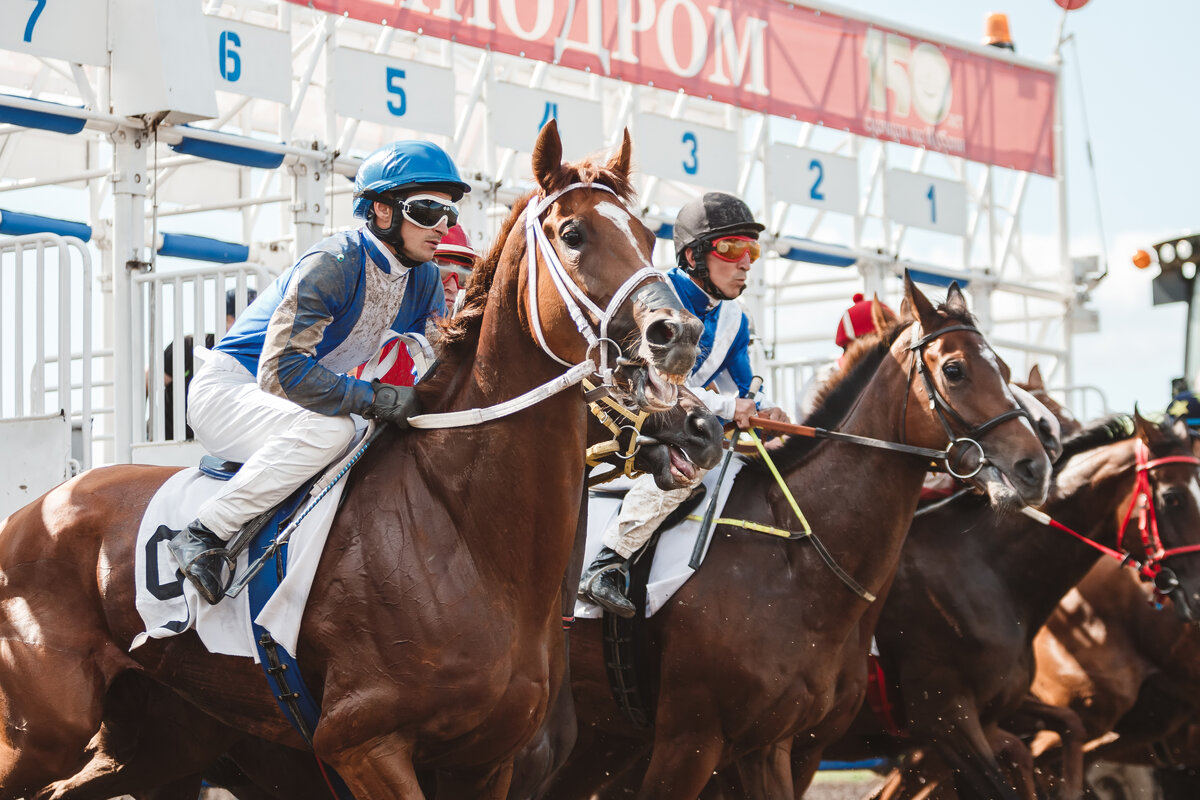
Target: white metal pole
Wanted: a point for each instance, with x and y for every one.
(129, 211)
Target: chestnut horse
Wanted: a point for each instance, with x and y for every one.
(154, 743)
(765, 643)
(972, 590)
(429, 631)
(1123, 664)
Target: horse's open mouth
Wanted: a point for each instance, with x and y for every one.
(682, 468)
(652, 390)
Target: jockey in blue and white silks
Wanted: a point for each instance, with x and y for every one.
(724, 360)
(274, 392)
(716, 241)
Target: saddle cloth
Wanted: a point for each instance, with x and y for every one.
(670, 569)
(169, 604)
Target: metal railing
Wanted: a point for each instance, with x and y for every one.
(46, 336)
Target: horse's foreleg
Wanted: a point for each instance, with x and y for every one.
(1012, 752)
(767, 773)
(681, 763)
(379, 767)
(485, 783)
(1069, 727)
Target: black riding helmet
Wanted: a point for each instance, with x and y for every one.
(704, 219)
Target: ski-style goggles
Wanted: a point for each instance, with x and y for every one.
(732, 248)
(428, 211)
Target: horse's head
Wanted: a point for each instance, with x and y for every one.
(1171, 533)
(688, 437)
(959, 393)
(672, 445)
(590, 248)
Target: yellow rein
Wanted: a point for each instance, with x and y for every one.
(786, 534)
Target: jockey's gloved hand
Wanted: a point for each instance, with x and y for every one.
(394, 404)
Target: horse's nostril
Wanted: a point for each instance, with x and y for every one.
(1028, 472)
(662, 332)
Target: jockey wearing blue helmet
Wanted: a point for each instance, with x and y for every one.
(401, 169)
(275, 392)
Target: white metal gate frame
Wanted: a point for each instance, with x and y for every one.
(128, 198)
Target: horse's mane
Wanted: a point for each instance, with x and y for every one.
(1104, 431)
(460, 334)
(836, 398)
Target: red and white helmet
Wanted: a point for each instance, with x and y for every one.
(857, 321)
(455, 249)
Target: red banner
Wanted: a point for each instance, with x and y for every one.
(768, 56)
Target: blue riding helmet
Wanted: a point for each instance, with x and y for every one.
(412, 162)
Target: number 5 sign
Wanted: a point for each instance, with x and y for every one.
(684, 151)
(391, 91)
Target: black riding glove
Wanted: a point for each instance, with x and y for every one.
(394, 404)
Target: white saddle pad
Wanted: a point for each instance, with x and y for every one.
(670, 569)
(169, 604)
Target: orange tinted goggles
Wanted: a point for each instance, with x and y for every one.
(732, 248)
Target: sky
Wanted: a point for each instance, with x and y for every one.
(1138, 67)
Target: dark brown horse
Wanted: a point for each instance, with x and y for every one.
(154, 744)
(974, 587)
(1124, 664)
(429, 631)
(765, 643)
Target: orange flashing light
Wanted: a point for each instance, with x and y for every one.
(996, 31)
(1141, 259)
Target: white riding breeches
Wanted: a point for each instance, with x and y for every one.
(643, 510)
(281, 444)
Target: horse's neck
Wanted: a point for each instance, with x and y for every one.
(860, 499)
(1041, 564)
(512, 485)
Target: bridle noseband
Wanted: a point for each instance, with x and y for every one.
(1143, 504)
(945, 412)
(572, 296)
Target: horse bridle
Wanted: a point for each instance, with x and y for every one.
(945, 412)
(1165, 580)
(596, 337)
(626, 429)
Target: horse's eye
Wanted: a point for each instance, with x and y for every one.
(954, 371)
(1172, 499)
(571, 235)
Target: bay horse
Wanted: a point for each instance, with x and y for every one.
(1125, 665)
(974, 587)
(429, 631)
(765, 643)
(154, 744)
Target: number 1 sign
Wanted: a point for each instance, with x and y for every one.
(918, 200)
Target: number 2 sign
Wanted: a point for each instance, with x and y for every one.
(812, 178)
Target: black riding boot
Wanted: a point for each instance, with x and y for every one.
(604, 583)
(201, 556)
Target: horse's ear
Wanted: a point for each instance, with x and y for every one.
(619, 163)
(882, 317)
(1035, 382)
(955, 302)
(919, 307)
(1148, 431)
(547, 155)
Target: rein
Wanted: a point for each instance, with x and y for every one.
(1142, 503)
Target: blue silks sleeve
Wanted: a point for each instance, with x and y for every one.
(319, 291)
